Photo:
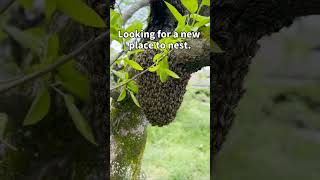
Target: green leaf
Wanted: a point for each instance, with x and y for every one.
(134, 99)
(172, 74)
(50, 7)
(135, 26)
(114, 34)
(136, 51)
(81, 12)
(3, 124)
(132, 86)
(205, 2)
(158, 57)
(191, 5)
(119, 74)
(123, 94)
(175, 12)
(26, 39)
(27, 4)
(215, 48)
(134, 65)
(80, 122)
(115, 19)
(154, 68)
(197, 17)
(163, 76)
(164, 64)
(39, 108)
(53, 46)
(73, 81)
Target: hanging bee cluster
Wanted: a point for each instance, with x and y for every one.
(161, 101)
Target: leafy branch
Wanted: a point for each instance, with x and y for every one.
(131, 79)
(60, 61)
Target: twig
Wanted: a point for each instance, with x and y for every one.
(58, 90)
(118, 56)
(134, 9)
(6, 7)
(133, 78)
(137, 75)
(60, 61)
(10, 146)
(10, 80)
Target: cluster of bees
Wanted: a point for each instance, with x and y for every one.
(161, 101)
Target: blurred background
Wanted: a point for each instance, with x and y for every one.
(276, 134)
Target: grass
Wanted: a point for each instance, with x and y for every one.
(181, 150)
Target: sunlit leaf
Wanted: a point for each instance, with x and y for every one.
(119, 74)
(134, 65)
(163, 76)
(132, 86)
(134, 99)
(115, 19)
(80, 12)
(175, 12)
(136, 51)
(135, 26)
(191, 5)
(123, 94)
(154, 68)
(172, 74)
(80, 122)
(39, 108)
(205, 2)
(158, 57)
(203, 19)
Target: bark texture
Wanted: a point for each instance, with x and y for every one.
(54, 149)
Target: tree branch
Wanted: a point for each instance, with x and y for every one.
(7, 6)
(62, 60)
(133, 78)
(134, 8)
(305, 7)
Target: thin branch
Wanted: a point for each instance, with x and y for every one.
(7, 6)
(60, 61)
(10, 80)
(134, 8)
(133, 78)
(10, 146)
(118, 56)
(137, 75)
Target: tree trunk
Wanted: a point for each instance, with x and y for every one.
(54, 149)
(128, 140)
